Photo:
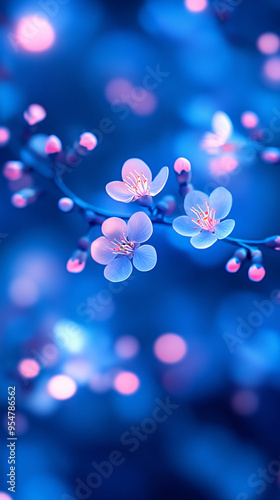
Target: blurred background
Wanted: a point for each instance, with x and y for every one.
(97, 365)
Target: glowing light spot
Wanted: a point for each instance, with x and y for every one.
(23, 292)
(100, 382)
(271, 155)
(249, 119)
(233, 265)
(127, 347)
(65, 204)
(4, 496)
(69, 335)
(88, 141)
(256, 272)
(223, 165)
(272, 69)
(53, 145)
(196, 5)
(268, 43)
(170, 348)
(29, 368)
(13, 170)
(4, 136)
(34, 34)
(34, 114)
(245, 402)
(182, 164)
(143, 103)
(79, 369)
(126, 383)
(118, 89)
(61, 387)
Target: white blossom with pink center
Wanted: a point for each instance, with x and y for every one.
(203, 220)
(119, 248)
(137, 182)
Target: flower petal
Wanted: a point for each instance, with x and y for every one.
(145, 258)
(159, 181)
(222, 125)
(139, 227)
(223, 229)
(195, 199)
(118, 270)
(203, 240)
(101, 250)
(118, 191)
(134, 165)
(221, 201)
(185, 226)
(114, 228)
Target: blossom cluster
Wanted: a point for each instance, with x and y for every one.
(122, 244)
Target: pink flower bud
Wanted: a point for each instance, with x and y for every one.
(65, 204)
(256, 272)
(88, 141)
(182, 164)
(271, 155)
(4, 136)
(24, 197)
(53, 145)
(77, 262)
(34, 114)
(273, 242)
(233, 265)
(13, 170)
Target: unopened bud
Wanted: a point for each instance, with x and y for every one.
(65, 204)
(256, 272)
(273, 242)
(53, 145)
(4, 136)
(271, 155)
(77, 261)
(182, 169)
(24, 197)
(34, 114)
(88, 141)
(13, 170)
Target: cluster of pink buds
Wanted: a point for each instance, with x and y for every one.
(256, 271)
(183, 174)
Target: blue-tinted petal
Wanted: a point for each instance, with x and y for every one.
(196, 199)
(101, 250)
(159, 181)
(221, 201)
(135, 166)
(185, 226)
(118, 191)
(139, 227)
(203, 240)
(223, 229)
(114, 228)
(145, 258)
(118, 270)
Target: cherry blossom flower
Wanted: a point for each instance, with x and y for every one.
(119, 248)
(137, 182)
(203, 219)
